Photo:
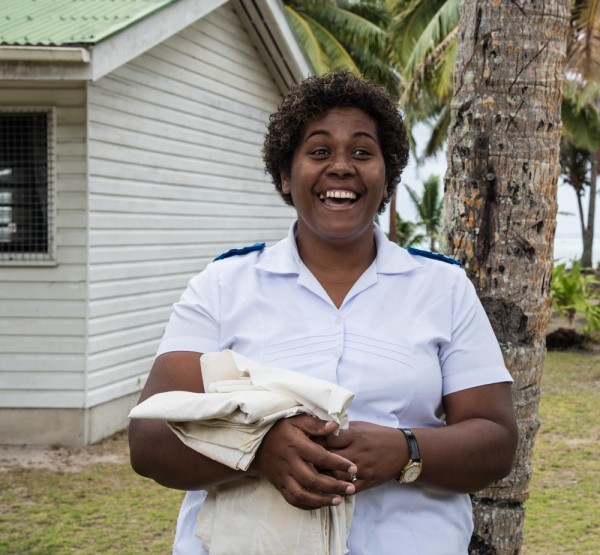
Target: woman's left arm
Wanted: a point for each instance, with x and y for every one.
(474, 449)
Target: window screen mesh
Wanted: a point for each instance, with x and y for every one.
(25, 187)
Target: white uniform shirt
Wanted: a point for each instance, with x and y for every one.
(410, 331)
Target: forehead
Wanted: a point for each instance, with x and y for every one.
(341, 121)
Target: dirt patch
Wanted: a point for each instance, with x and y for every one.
(112, 450)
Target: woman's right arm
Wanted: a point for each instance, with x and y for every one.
(155, 451)
(287, 456)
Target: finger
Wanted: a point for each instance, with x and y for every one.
(303, 498)
(340, 441)
(325, 483)
(346, 477)
(320, 457)
(313, 426)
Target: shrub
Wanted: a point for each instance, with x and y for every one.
(572, 293)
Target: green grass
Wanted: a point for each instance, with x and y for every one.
(563, 511)
(106, 508)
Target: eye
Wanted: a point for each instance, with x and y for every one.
(361, 153)
(319, 152)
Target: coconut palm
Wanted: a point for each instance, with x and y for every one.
(581, 104)
(500, 207)
(424, 42)
(423, 45)
(345, 34)
(407, 232)
(428, 206)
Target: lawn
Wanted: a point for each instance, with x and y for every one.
(563, 511)
(88, 501)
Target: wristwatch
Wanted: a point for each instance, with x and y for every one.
(412, 469)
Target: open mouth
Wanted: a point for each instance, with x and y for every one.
(338, 197)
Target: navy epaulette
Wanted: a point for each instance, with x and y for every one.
(434, 256)
(243, 250)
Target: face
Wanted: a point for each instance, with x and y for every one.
(337, 179)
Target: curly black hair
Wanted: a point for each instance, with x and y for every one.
(310, 99)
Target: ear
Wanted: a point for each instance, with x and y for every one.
(285, 182)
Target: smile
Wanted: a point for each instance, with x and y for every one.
(338, 196)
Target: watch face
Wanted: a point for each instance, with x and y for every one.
(411, 473)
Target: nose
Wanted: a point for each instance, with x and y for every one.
(341, 164)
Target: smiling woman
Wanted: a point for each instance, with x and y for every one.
(431, 418)
(337, 183)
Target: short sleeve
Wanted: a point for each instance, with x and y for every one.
(194, 322)
(472, 357)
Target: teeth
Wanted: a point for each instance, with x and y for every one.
(338, 194)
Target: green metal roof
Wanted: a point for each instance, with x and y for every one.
(63, 22)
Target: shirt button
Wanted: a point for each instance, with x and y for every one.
(338, 321)
(338, 353)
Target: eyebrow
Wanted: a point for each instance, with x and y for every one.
(356, 134)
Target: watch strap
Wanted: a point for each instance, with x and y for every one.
(413, 446)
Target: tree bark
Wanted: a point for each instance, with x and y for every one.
(500, 209)
(588, 232)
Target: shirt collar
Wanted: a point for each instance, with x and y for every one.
(283, 257)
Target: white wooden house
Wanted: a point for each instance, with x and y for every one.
(129, 158)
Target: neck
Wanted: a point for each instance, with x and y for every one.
(337, 267)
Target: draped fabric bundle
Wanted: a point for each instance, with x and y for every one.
(243, 400)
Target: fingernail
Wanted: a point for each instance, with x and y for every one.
(352, 469)
(336, 500)
(350, 490)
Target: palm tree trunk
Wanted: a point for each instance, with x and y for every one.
(500, 209)
(588, 233)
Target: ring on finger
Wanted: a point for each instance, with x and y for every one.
(353, 478)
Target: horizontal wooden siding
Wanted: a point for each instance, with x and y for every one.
(176, 178)
(43, 308)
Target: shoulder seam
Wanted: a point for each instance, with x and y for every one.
(434, 256)
(240, 251)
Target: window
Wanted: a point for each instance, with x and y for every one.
(26, 195)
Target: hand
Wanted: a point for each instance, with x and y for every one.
(287, 457)
(379, 452)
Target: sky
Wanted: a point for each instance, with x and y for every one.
(567, 244)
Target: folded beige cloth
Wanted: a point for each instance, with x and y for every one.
(243, 400)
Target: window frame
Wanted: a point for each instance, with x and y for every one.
(48, 257)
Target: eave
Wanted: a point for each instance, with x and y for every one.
(264, 20)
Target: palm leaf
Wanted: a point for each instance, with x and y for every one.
(409, 20)
(439, 133)
(308, 40)
(584, 47)
(581, 124)
(432, 78)
(375, 11)
(416, 200)
(444, 22)
(337, 56)
(445, 62)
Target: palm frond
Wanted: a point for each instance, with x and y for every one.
(337, 56)
(438, 66)
(350, 28)
(444, 22)
(584, 46)
(444, 66)
(416, 200)
(308, 40)
(375, 11)
(409, 20)
(581, 124)
(439, 133)
(377, 70)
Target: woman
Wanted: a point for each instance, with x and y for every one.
(432, 417)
